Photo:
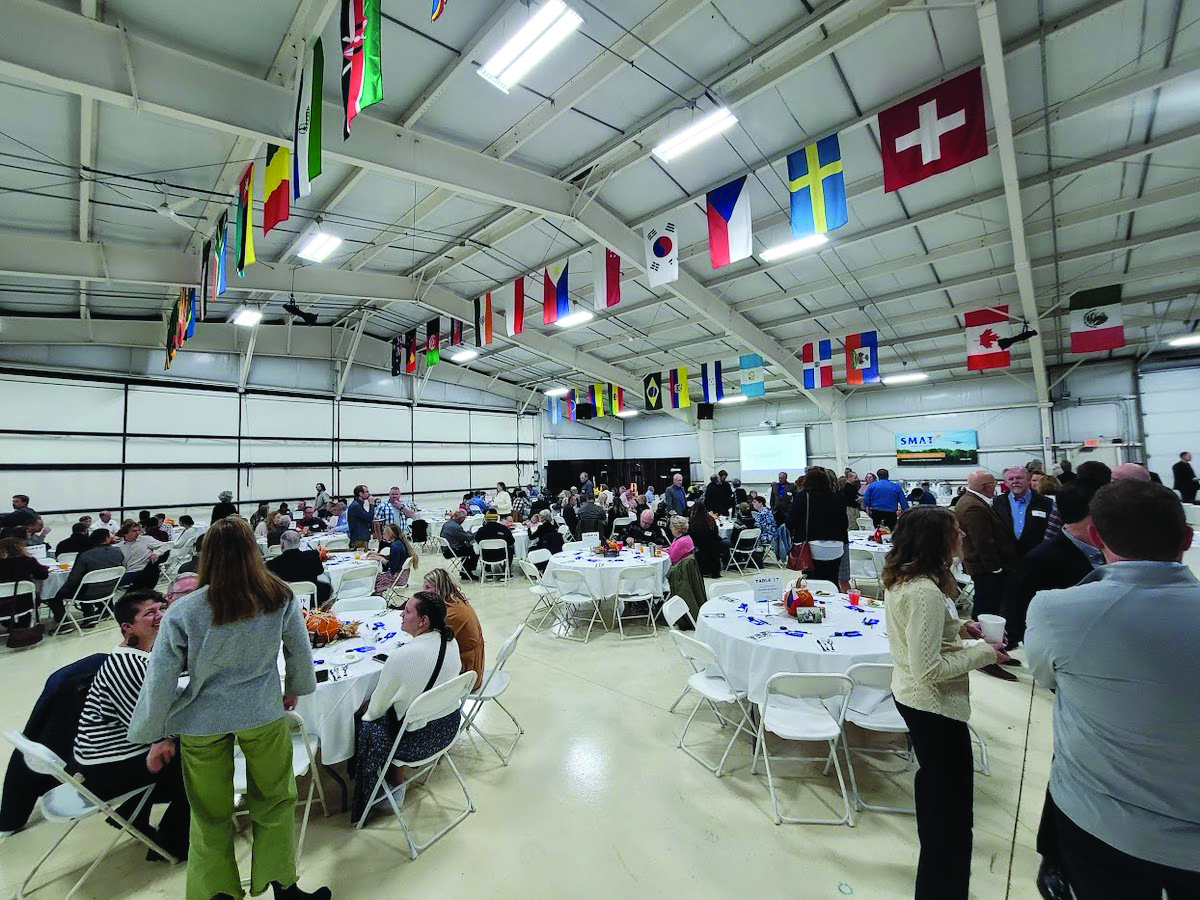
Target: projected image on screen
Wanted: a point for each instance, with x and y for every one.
(764, 456)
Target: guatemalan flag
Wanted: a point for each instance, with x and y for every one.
(714, 389)
(753, 385)
(862, 358)
(729, 233)
(556, 303)
(818, 364)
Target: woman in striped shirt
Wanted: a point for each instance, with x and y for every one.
(111, 763)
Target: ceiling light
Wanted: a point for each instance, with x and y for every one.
(627, 413)
(548, 27)
(576, 318)
(695, 134)
(1190, 340)
(734, 398)
(319, 247)
(779, 251)
(247, 317)
(558, 392)
(464, 356)
(904, 378)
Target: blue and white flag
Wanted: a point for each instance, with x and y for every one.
(752, 375)
(555, 411)
(714, 388)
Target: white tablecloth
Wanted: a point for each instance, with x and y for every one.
(329, 713)
(601, 573)
(339, 564)
(881, 549)
(58, 577)
(724, 625)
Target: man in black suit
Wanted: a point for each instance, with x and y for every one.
(644, 531)
(1024, 512)
(294, 564)
(1185, 477)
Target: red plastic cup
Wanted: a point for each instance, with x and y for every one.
(854, 596)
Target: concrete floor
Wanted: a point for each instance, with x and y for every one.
(597, 800)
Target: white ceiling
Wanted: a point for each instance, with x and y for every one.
(1119, 73)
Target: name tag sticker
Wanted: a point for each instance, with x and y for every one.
(1040, 513)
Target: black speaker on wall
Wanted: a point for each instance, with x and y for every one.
(585, 411)
(704, 411)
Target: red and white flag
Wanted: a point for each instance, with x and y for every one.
(985, 327)
(933, 132)
(513, 303)
(606, 272)
(1096, 322)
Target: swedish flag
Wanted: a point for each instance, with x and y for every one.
(817, 187)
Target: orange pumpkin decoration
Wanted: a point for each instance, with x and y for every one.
(324, 625)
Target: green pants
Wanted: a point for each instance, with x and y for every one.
(271, 798)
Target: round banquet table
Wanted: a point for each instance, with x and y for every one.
(339, 564)
(329, 713)
(601, 573)
(751, 653)
(871, 546)
(58, 577)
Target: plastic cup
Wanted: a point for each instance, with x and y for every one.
(854, 596)
(993, 628)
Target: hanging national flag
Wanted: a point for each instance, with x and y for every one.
(751, 365)
(433, 341)
(936, 131)
(439, 7)
(277, 190)
(397, 355)
(729, 230)
(679, 389)
(862, 358)
(714, 386)
(817, 358)
(556, 302)
(306, 129)
(514, 307)
(206, 273)
(818, 188)
(606, 272)
(985, 327)
(362, 71)
(192, 305)
(618, 399)
(555, 409)
(410, 351)
(569, 402)
(483, 320)
(456, 332)
(1096, 322)
(652, 388)
(220, 244)
(172, 335)
(662, 253)
(245, 227)
(596, 394)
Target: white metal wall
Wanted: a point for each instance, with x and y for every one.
(1170, 416)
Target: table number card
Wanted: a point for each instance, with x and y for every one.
(767, 588)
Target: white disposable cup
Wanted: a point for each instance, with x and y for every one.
(993, 628)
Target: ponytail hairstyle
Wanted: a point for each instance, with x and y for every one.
(432, 606)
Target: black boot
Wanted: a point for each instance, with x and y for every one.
(295, 893)
(1052, 883)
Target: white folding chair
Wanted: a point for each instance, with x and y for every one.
(96, 588)
(66, 557)
(470, 523)
(359, 581)
(713, 689)
(572, 546)
(622, 522)
(563, 529)
(72, 802)
(495, 683)
(457, 563)
(493, 555)
(673, 611)
(274, 551)
(794, 709)
(13, 590)
(304, 762)
(865, 523)
(871, 707)
(638, 584)
(337, 542)
(742, 554)
(573, 597)
(369, 604)
(728, 586)
(545, 595)
(434, 704)
(306, 593)
(864, 570)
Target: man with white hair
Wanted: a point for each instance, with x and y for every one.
(1131, 472)
(294, 564)
(1024, 512)
(675, 496)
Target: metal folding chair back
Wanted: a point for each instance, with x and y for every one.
(711, 689)
(638, 584)
(495, 683)
(675, 609)
(359, 581)
(493, 554)
(728, 586)
(742, 554)
(306, 593)
(575, 595)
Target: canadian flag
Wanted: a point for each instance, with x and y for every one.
(985, 327)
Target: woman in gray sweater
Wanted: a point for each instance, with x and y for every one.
(226, 635)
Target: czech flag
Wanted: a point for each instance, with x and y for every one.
(679, 389)
(714, 389)
(729, 232)
(862, 358)
(556, 303)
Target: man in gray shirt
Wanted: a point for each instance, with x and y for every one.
(1119, 649)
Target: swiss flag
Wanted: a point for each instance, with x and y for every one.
(985, 327)
(933, 132)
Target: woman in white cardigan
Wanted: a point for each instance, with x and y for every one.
(932, 692)
(430, 659)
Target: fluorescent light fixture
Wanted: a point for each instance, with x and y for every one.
(558, 392)
(548, 28)
(319, 247)
(576, 318)
(791, 248)
(734, 398)
(695, 134)
(904, 378)
(1191, 340)
(247, 317)
(627, 413)
(464, 356)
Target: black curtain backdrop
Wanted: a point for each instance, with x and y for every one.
(562, 474)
